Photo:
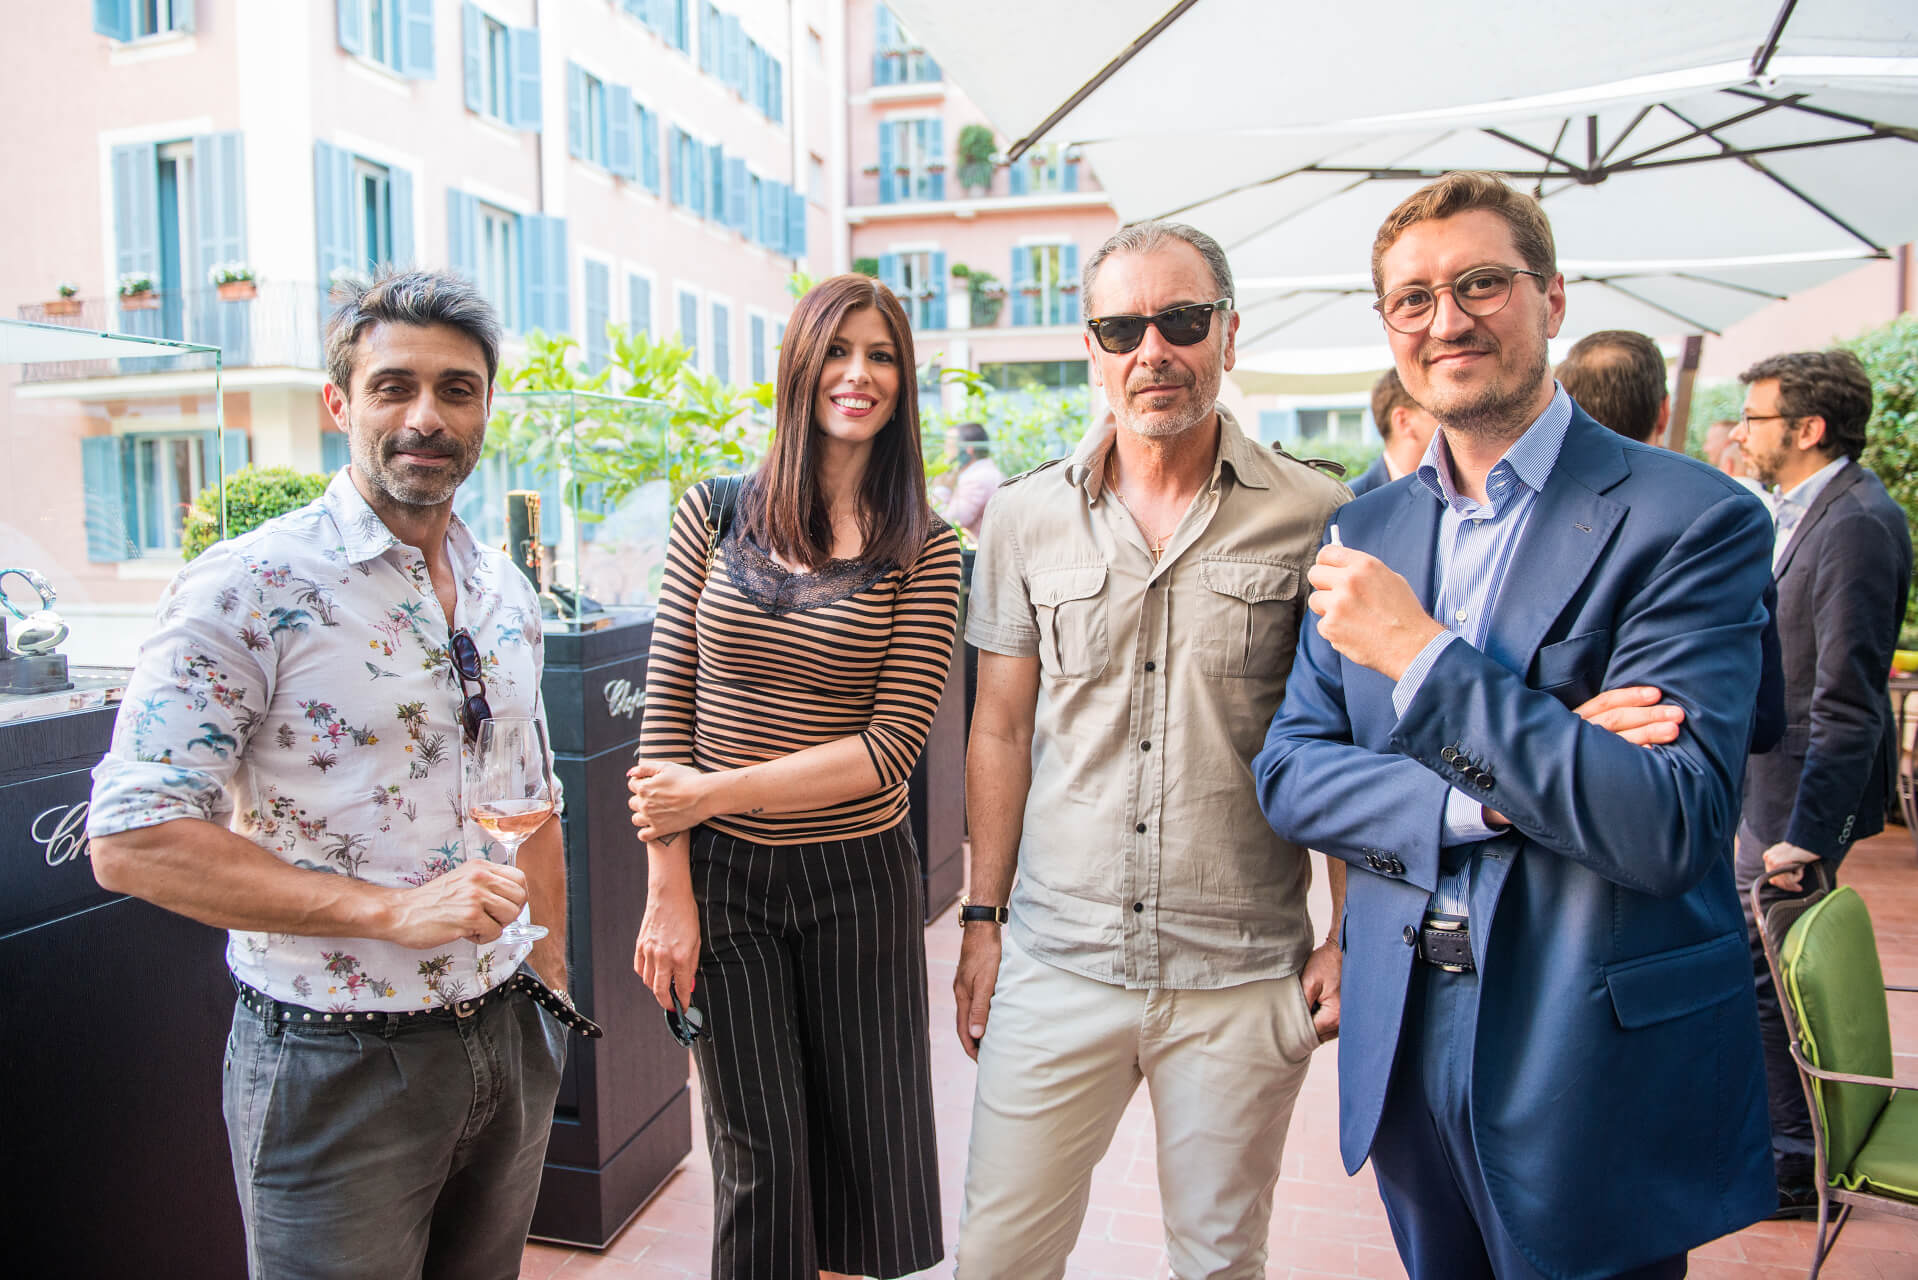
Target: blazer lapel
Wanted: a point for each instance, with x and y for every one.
(1845, 479)
(1570, 525)
(1409, 541)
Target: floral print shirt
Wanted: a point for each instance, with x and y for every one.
(298, 689)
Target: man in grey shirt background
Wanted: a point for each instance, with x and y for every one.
(1136, 609)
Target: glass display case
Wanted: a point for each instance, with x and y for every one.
(578, 487)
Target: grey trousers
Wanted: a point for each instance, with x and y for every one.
(414, 1152)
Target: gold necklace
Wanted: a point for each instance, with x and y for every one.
(1154, 542)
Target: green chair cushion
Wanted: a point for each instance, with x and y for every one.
(1887, 1164)
(1837, 990)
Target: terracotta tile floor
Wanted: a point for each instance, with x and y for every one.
(1324, 1224)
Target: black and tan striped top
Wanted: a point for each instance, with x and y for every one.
(750, 663)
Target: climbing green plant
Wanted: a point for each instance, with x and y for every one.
(1890, 356)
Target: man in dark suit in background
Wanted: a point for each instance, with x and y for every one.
(1618, 377)
(1406, 429)
(1842, 559)
(1549, 1037)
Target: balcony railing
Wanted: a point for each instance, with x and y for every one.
(280, 325)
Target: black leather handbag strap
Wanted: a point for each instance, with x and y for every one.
(719, 512)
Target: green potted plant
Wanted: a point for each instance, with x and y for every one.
(66, 304)
(254, 495)
(976, 149)
(137, 291)
(987, 294)
(235, 281)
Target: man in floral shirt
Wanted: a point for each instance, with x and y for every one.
(287, 765)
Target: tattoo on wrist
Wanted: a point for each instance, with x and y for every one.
(667, 841)
(760, 809)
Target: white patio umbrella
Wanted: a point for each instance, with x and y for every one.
(1089, 70)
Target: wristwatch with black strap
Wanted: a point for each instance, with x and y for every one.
(969, 912)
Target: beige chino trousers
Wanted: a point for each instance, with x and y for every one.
(1061, 1058)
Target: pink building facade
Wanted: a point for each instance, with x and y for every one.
(655, 163)
(989, 270)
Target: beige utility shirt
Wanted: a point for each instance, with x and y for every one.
(1145, 859)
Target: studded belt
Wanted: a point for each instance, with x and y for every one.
(278, 1013)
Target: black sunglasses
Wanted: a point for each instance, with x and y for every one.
(466, 665)
(1184, 326)
(687, 1025)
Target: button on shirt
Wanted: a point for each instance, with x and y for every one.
(1787, 509)
(1476, 541)
(298, 687)
(1145, 860)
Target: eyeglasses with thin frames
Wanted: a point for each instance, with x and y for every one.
(1480, 292)
(466, 665)
(1745, 420)
(1185, 326)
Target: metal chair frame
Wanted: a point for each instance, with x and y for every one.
(1829, 1226)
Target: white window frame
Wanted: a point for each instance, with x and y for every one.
(592, 106)
(768, 357)
(906, 154)
(624, 308)
(367, 255)
(1049, 290)
(715, 300)
(147, 503)
(163, 19)
(496, 264)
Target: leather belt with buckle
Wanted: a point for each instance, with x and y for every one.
(558, 1003)
(1445, 942)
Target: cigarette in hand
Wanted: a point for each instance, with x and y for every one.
(1335, 535)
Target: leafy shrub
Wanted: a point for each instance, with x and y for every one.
(1890, 356)
(254, 495)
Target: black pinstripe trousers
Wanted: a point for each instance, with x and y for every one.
(816, 1076)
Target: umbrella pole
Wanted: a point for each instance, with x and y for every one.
(1676, 428)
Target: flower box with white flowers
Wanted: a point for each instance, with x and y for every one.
(235, 281)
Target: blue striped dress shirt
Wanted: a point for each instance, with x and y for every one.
(1476, 541)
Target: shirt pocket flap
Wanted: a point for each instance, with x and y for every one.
(1252, 581)
(1053, 587)
(1671, 984)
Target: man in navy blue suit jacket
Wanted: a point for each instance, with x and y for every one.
(1549, 1047)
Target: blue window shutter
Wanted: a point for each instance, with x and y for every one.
(885, 37)
(597, 278)
(399, 189)
(936, 148)
(888, 161)
(776, 217)
(523, 43)
(676, 154)
(1068, 176)
(736, 195)
(352, 19)
(622, 155)
(543, 266)
(757, 336)
(795, 225)
(136, 229)
(462, 233)
(1022, 309)
(708, 37)
(105, 478)
(113, 19)
(639, 304)
(716, 183)
(219, 223)
(235, 455)
(891, 274)
(473, 43)
(416, 40)
(696, 176)
(1069, 272)
(722, 343)
(334, 451)
(936, 305)
(648, 150)
(689, 324)
(776, 93)
(1018, 176)
(333, 209)
(575, 111)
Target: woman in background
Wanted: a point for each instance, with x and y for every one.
(804, 633)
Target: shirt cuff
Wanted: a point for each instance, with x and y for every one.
(1464, 820)
(1408, 686)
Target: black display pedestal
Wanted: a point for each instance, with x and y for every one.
(624, 1117)
(113, 1027)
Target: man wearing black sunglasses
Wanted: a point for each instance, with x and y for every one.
(289, 769)
(1151, 588)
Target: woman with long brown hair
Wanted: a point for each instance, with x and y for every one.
(805, 629)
